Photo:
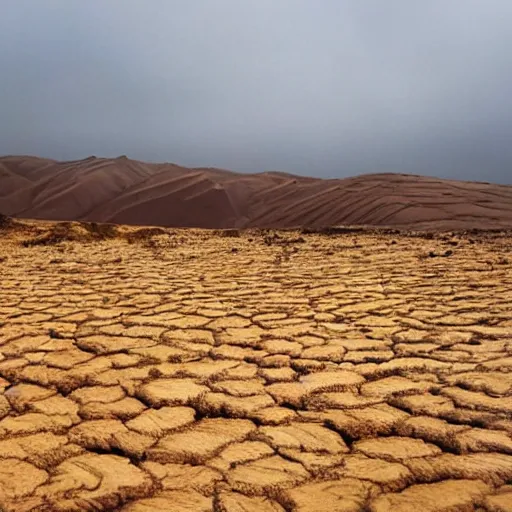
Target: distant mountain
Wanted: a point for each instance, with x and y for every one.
(125, 191)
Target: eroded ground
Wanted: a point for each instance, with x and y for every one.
(197, 372)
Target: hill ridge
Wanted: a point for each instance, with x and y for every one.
(126, 191)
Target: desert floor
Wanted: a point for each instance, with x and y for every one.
(198, 371)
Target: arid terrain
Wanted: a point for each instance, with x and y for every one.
(190, 370)
(125, 191)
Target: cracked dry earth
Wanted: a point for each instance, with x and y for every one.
(229, 375)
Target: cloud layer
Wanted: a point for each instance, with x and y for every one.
(326, 88)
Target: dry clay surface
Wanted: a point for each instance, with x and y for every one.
(197, 372)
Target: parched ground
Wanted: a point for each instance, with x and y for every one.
(192, 371)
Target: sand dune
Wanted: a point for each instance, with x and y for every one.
(127, 191)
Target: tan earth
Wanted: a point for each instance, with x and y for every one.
(187, 370)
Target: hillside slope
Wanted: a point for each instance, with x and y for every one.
(127, 191)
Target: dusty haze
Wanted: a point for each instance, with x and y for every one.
(324, 88)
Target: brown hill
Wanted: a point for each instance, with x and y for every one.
(127, 191)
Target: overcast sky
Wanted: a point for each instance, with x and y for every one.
(329, 88)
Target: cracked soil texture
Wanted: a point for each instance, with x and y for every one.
(194, 371)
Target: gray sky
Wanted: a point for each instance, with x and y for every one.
(328, 88)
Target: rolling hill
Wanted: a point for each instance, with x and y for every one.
(125, 191)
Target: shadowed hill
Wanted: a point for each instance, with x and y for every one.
(127, 191)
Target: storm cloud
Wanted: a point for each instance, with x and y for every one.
(329, 88)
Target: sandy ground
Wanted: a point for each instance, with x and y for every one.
(127, 191)
(195, 371)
